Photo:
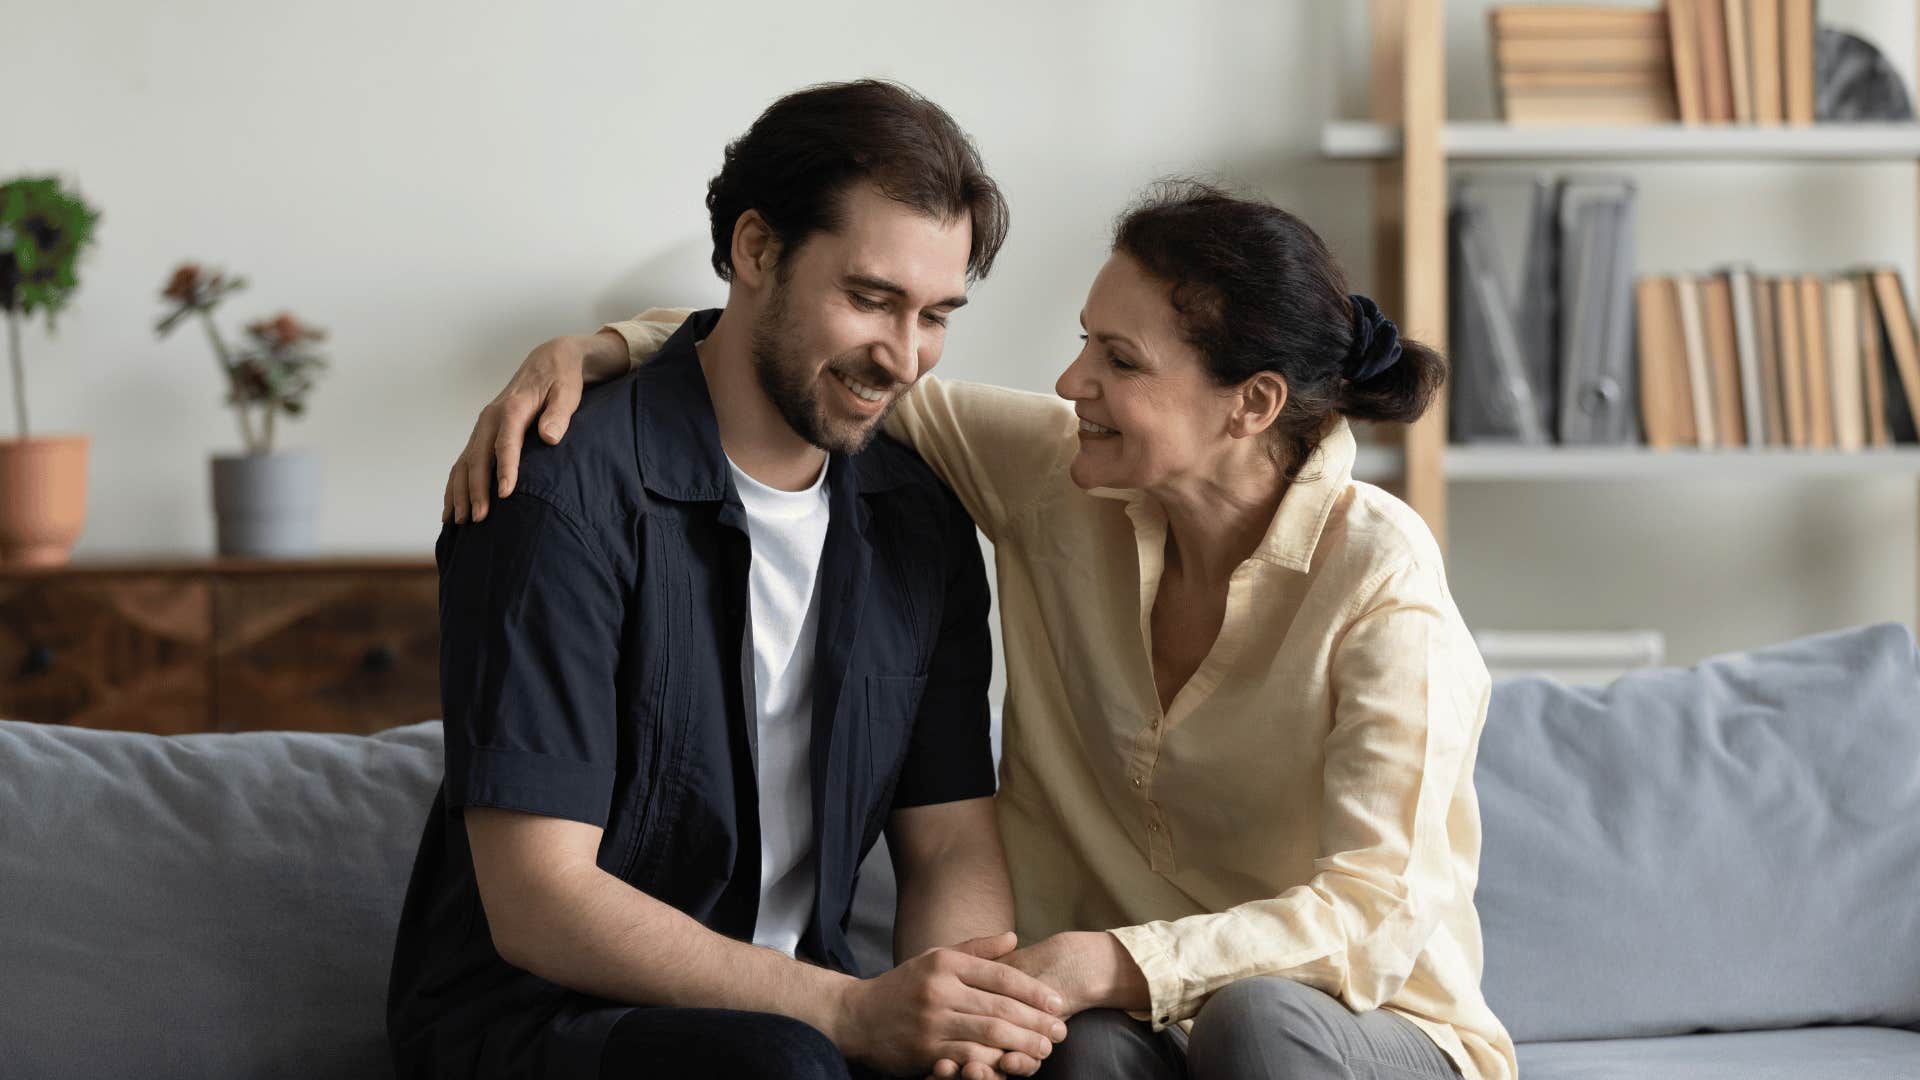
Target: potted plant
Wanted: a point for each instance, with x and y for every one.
(266, 502)
(43, 479)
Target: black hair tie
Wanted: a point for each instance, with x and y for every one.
(1376, 341)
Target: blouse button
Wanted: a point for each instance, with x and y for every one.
(1136, 781)
(1153, 826)
(1153, 724)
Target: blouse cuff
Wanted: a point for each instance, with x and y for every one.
(1152, 948)
(647, 331)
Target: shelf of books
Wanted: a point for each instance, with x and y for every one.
(1578, 363)
(1702, 80)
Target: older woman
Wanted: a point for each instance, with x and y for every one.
(1242, 709)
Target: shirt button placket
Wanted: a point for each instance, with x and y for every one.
(1159, 847)
(1159, 851)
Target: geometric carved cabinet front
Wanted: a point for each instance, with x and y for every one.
(106, 651)
(222, 645)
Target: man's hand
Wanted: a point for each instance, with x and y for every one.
(957, 1005)
(1089, 970)
(547, 385)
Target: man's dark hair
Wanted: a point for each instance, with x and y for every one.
(798, 160)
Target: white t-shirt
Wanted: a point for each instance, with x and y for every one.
(787, 530)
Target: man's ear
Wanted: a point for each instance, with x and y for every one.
(1262, 398)
(755, 249)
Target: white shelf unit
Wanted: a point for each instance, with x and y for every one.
(1386, 464)
(1360, 141)
(1640, 463)
(1411, 146)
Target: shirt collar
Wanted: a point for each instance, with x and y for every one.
(1294, 533)
(677, 439)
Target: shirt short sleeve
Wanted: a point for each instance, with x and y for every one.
(530, 622)
(950, 757)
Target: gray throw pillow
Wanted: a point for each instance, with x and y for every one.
(203, 906)
(1733, 846)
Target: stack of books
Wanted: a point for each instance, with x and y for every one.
(1743, 61)
(1738, 359)
(1583, 64)
(1692, 61)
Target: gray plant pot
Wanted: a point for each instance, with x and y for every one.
(267, 505)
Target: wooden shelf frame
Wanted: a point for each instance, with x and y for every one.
(1411, 146)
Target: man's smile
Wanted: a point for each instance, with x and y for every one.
(864, 392)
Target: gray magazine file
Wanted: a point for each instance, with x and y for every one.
(1598, 387)
(1503, 366)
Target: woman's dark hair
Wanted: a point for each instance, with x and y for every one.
(1256, 290)
(797, 161)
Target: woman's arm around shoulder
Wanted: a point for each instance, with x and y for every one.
(1001, 450)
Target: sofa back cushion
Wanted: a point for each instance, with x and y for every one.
(1732, 846)
(203, 906)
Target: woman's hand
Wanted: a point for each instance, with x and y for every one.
(953, 1006)
(1091, 970)
(547, 385)
(1088, 970)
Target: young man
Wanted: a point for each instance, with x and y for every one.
(717, 640)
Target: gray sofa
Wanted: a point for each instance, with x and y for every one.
(1683, 873)
(1691, 874)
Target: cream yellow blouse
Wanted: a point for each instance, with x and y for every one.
(1306, 807)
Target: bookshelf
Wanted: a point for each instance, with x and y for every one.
(1411, 146)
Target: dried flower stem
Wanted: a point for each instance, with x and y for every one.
(225, 360)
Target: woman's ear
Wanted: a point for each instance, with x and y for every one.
(755, 249)
(1262, 398)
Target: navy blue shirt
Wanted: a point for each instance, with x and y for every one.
(590, 647)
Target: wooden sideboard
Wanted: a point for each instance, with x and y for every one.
(222, 644)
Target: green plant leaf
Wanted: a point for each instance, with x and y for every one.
(46, 228)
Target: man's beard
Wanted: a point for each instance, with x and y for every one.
(785, 377)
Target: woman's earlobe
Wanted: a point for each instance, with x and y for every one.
(1246, 421)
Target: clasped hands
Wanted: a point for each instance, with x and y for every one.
(983, 1009)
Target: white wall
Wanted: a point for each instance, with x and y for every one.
(443, 185)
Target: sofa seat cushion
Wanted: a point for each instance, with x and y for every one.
(203, 906)
(1830, 1053)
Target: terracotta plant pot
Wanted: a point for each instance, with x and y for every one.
(43, 498)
